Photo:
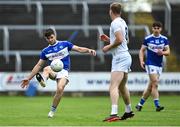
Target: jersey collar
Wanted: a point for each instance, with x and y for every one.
(54, 43)
(156, 36)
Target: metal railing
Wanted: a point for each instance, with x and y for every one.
(40, 27)
(168, 17)
(85, 18)
(28, 5)
(6, 52)
(39, 12)
(99, 43)
(6, 43)
(39, 18)
(85, 12)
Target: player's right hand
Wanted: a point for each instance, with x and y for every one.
(104, 38)
(160, 52)
(25, 83)
(142, 65)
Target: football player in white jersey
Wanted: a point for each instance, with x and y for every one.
(55, 50)
(121, 62)
(156, 46)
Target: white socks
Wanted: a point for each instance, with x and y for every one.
(128, 108)
(114, 109)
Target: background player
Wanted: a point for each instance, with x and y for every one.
(55, 50)
(121, 62)
(156, 45)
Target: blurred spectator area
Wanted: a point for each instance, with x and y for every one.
(80, 21)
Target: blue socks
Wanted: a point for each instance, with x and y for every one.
(53, 108)
(156, 102)
(142, 101)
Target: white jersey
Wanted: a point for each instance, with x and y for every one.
(119, 24)
(121, 58)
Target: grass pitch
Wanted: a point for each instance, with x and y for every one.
(84, 111)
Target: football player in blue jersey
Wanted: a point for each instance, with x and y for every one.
(55, 50)
(157, 46)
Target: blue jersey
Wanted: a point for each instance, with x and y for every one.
(154, 44)
(60, 50)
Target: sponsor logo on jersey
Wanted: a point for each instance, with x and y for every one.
(58, 55)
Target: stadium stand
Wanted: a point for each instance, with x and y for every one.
(80, 23)
(175, 29)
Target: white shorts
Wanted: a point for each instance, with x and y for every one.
(63, 73)
(151, 69)
(121, 63)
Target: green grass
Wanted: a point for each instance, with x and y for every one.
(84, 111)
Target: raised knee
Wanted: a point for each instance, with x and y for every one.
(46, 69)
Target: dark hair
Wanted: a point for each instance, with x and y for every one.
(157, 24)
(116, 7)
(49, 32)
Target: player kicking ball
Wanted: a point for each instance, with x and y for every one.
(55, 50)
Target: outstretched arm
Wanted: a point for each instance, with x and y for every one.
(84, 50)
(34, 71)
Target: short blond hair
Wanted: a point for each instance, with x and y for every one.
(116, 7)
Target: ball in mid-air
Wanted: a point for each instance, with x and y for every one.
(56, 65)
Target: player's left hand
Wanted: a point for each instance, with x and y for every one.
(92, 52)
(25, 83)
